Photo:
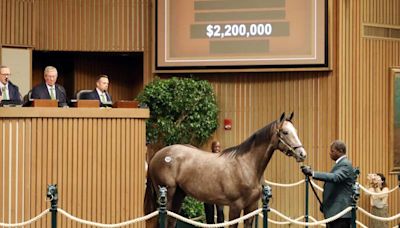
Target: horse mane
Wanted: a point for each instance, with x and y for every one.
(259, 137)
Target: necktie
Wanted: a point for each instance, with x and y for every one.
(4, 91)
(103, 98)
(52, 94)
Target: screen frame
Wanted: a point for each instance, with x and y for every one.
(325, 66)
(394, 74)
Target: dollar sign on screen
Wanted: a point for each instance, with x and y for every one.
(210, 31)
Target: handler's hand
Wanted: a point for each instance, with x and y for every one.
(307, 170)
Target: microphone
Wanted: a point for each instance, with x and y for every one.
(62, 100)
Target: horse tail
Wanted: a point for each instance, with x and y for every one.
(150, 203)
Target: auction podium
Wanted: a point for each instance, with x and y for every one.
(126, 104)
(96, 156)
(44, 103)
(87, 104)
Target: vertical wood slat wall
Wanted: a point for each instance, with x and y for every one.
(17, 22)
(253, 100)
(75, 25)
(90, 25)
(364, 80)
(98, 164)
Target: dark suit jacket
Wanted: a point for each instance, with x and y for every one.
(337, 194)
(41, 92)
(95, 96)
(13, 91)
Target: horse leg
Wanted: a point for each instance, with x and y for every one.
(234, 213)
(249, 222)
(175, 199)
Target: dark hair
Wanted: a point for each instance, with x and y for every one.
(383, 178)
(339, 146)
(214, 143)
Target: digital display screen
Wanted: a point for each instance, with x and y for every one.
(240, 33)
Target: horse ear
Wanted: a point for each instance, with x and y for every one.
(291, 117)
(282, 118)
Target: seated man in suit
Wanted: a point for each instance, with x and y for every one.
(49, 89)
(100, 92)
(8, 91)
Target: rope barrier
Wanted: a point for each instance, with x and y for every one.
(314, 220)
(378, 193)
(26, 222)
(281, 222)
(360, 224)
(312, 223)
(140, 219)
(321, 189)
(199, 224)
(317, 186)
(377, 217)
(284, 185)
(238, 220)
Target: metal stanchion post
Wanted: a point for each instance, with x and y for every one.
(256, 221)
(355, 197)
(267, 194)
(163, 206)
(52, 194)
(307, 181)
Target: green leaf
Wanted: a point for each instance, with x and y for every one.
(182, 110)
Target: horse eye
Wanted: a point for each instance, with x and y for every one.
(285, 132)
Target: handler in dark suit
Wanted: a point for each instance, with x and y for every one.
(338, 185)
(49, 89)
(8, 91)
(100, 92)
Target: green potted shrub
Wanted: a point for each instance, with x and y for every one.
(182, 111)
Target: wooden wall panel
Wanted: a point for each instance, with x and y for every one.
(364, 90)
(75, 25)
(90, 25)
(98, 164)
(252, 100)
(16, 22)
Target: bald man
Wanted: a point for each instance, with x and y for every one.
(8, 91)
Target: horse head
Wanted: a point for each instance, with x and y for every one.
(288, 141)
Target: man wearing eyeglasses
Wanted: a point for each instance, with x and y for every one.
(8, 91)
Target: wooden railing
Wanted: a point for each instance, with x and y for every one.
(95, 155)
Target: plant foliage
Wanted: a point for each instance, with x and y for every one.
(192, 208)
(182, 110)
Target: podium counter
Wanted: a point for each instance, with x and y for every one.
(96, 156)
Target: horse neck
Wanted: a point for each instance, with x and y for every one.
(264, 155)
(261, 154)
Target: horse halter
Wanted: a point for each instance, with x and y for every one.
(290, 147)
